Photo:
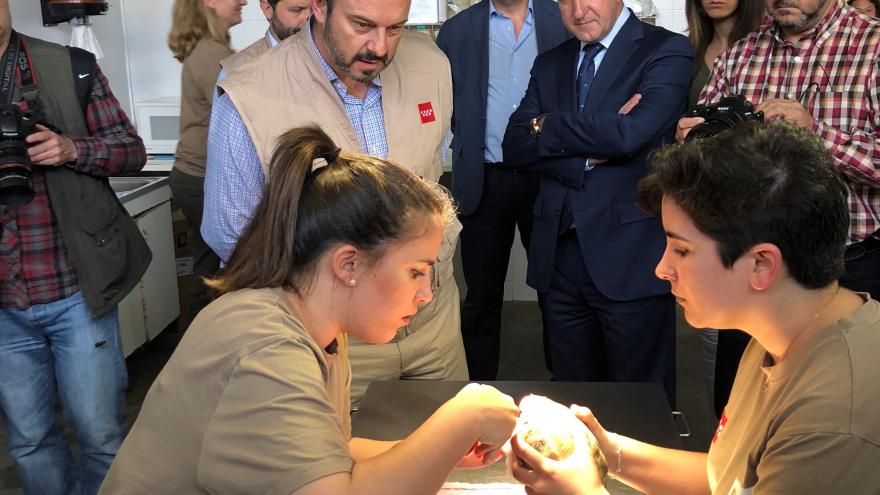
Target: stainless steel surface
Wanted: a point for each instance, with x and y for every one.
(133, 186)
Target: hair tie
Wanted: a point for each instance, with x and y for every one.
(331, 156)
(325, 159)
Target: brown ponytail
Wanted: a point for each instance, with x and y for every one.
(355, 199)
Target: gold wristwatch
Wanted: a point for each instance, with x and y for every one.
(535, 125)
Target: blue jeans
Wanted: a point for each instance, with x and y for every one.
(60, 346)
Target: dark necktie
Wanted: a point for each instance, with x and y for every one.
(586, 73)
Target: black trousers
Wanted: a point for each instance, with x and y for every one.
(188, 191)
(594, 338)
(862, 263)
(486, 238)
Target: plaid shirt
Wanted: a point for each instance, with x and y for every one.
(834, 71)
(34, 266)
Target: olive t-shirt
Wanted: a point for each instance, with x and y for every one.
(809, 424)
(248, 403)
(198, 79)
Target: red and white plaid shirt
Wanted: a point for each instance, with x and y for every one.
(834, 71)
(34, 266)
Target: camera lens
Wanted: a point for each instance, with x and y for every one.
(708, 129)
(15, 185)
(16, 188)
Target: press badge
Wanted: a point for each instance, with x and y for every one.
(426, 112)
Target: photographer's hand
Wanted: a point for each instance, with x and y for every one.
(684, 126)
(49, 148)
(790, 110)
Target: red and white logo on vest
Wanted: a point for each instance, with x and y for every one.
(426, 112)
(720, 425)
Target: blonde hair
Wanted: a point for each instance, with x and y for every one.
(192, 22)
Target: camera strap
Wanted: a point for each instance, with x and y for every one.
(16, 66)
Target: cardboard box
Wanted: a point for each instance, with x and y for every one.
(183, 257)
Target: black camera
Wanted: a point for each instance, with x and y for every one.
(16, 187)
(725, 114)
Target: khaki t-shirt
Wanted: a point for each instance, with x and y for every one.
(197, 82)
(248, 403)
(810, 424)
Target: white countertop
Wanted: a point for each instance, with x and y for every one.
(159, 163)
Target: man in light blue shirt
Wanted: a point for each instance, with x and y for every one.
(491, 47)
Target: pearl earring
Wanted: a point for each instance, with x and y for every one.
(352, 282)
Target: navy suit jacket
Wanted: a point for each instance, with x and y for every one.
(465, 40)
(620, 243)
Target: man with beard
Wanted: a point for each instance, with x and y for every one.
(286, 18)
(375, 89)
(815, 65)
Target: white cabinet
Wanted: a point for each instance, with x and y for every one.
(159, 284)
(152, 304)
(131, 321)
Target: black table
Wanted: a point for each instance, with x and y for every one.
(393, 410)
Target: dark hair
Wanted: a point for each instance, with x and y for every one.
(759, 183)
(355, 199)
(701, 29)
(875, 2)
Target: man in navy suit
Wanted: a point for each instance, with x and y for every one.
(491, 47)
(593, 250)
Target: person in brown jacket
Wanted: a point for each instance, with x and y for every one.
(199, 38)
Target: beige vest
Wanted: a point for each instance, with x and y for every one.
(236, 60)
(286, 87)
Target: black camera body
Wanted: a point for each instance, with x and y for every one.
(16, 187)
(725, 114)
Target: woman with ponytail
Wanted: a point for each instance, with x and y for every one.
(255, 398)
(199, 39)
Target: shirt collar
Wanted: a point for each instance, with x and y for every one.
(494, 11)
(618, 25)
(270, 38)
(328, 71)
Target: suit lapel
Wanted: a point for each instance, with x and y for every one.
(567, 59)
(544, 21)
(624, 45)
(481, 25)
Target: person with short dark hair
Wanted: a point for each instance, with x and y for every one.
(255, 397)
(813, 64)
(755, 221)
(286, 18)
